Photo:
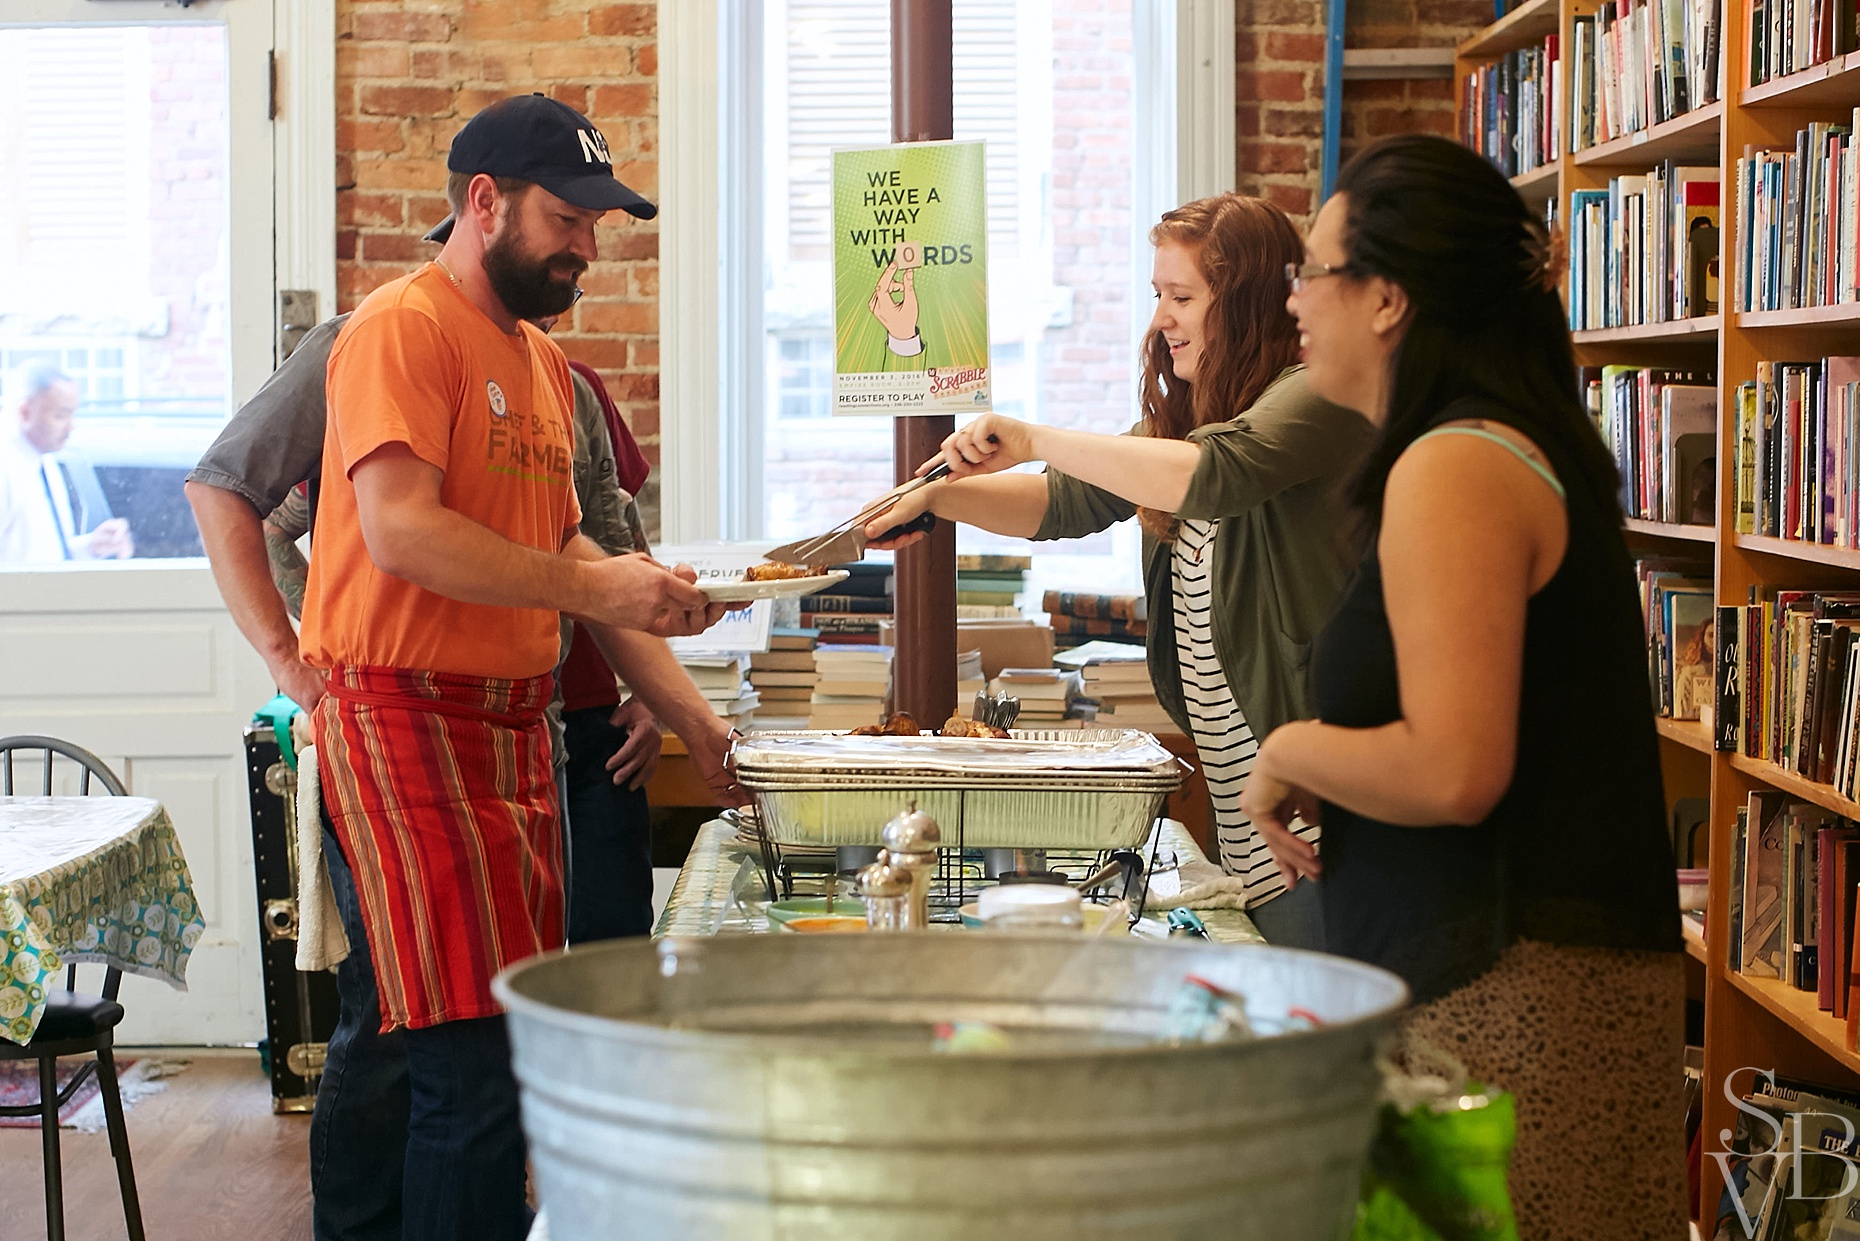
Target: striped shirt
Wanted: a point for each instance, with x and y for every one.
(1225, 742)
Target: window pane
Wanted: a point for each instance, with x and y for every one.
(1051, 89)
(113, 283)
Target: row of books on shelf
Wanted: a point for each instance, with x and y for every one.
(1787, 36)
(1679, 616)
(1795, 874)
(1661, 426)
(1636, 63)
(1787, 683)
(1644, 250)
(1798, 215)
(1508, 108)
(1079, 617)
(1796, 452)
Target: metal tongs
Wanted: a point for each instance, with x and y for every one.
(846, 541)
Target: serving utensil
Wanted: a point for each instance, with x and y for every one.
(846, 542)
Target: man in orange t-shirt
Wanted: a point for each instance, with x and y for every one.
(445, 549)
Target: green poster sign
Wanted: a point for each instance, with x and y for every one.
(910, 279)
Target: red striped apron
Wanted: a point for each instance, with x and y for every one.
(442, 790)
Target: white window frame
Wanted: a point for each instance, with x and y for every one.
(711, 366)
(282, 227)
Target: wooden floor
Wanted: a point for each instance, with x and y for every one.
(212, 1164)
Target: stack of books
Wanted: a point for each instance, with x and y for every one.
(1078, 618)
(988, 586)
(722, 681)
(852, 611)
(1116, 677)
(853, 686)
(784, 675)
(1046, 696)
(1508, 110)
(1662, 427)
(1644, 250)
(1797, 219)
(1797, 452)
(1635, 63)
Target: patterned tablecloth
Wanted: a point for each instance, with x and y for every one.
(88, 879)
(700, 903)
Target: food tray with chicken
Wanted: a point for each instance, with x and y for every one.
(1053, 789)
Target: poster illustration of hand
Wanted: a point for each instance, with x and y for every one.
(910, 279)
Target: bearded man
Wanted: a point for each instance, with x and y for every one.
(446, 545)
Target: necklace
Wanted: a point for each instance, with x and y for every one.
(441, 264)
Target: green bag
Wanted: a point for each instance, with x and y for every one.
(1437, 1167)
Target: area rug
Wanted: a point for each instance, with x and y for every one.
(136, 1079)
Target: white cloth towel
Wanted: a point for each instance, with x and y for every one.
(321, 941)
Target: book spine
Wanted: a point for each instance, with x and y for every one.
(1727, 705)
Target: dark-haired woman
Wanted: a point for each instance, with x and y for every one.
(1484, 761)
(1237, 473)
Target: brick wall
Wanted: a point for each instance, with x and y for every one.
(409, 73)
(1279, 86)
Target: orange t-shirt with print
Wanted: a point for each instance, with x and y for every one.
(418, 364)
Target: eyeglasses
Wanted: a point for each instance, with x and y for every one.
(1298, 275)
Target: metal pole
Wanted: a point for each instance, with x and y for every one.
(1333, 93)
(923, 110)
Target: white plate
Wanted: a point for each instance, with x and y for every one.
(736, 590)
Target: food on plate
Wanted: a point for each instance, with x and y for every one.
(900, 724)
(834, 924)
(956, 726)
(776, 571)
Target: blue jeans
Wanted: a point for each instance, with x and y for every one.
(416, 1134)
(1292, 919)
(609, 836)
(358, 1135)
(465, 1148)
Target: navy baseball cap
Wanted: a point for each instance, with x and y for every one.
(535, 138)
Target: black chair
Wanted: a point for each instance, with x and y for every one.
(74, 1024)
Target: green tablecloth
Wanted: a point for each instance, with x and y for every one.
(88, 879)
(700, 902)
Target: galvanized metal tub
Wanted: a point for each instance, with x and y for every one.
(784, 1088)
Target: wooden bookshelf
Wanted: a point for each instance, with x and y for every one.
(1690, 135)
(1834, 81)
(1784, 780)
(1798, 1011)
(1748, 1022)
(1689, 733)
(1537, 186)
(1671, 530)
(1845, 314)
(1525, 26)
(1796, 549)
(1702, 329)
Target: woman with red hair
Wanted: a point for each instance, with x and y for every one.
(1237, 473)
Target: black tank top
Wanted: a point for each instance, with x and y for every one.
(1576, 852)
